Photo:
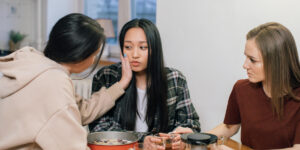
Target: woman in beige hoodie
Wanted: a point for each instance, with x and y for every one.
(38, 106)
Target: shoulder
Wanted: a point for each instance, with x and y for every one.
(173, 73)
(55, 74)
(245, 87)
(56, 86)
(55, 78)
(114, 70)
(175, 79)
(243, 83)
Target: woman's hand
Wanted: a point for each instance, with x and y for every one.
(174, 140)
(126, 72)
(182, 130)
(151, 143)
(177, 144)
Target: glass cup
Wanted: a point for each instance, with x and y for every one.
(222, 140)
(161, 141)
(169, 140)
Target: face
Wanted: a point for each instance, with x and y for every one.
(83, 65)
(136, 49)
(254, 62)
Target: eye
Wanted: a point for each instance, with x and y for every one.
(252, 60)
(144, 47)
(127, 47)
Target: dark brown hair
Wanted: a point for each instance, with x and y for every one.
(281, 62)
(74, 38)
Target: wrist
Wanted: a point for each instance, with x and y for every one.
(124, 83)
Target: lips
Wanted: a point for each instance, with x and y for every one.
(135, 63)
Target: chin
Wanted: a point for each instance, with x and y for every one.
(254, 80)
(138, 70)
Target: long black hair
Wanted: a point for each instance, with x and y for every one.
(74, 38)
(156, 81)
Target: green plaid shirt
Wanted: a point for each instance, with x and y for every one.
(181, 110)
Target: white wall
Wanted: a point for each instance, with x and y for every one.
(35, 18)
(59, 8)
(205, 40)
(18, 15)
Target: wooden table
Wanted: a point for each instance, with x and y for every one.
(234, 144)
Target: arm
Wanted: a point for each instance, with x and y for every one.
(186, 115)
(99, 104)
(224, 130)
(63, 131)
(59, 118)
(104, 99)
(232, 118)
(186, 119)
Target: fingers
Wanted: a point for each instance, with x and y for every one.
(121, 57)
(125, 62)
(177, 137)
(163, 134)
(152, 143)
(176, 142)
(181, 130)
(176, 145)
(155, 140)
(126, 72)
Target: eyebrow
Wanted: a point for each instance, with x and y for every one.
(139, 41)
(251, 56)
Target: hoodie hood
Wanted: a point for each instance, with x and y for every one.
(21, 67)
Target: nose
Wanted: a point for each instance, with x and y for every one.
(135, 52)
(246, 64)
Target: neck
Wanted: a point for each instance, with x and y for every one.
(67, 67)
(266, 88)
(141, 80)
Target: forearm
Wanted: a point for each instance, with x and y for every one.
(100, 102)
(224, 130)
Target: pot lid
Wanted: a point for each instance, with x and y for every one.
(199, 138)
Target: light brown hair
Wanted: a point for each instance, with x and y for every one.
(281, 62)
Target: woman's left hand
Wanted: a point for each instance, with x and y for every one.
(182, 130)
(177, 143)
(150, 143)
(175, 140)
(126, 72)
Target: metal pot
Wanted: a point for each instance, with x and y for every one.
(111, 135)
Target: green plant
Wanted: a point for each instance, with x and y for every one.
(16, 36)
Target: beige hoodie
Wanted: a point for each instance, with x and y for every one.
(38, 106)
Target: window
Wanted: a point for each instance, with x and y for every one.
(106, 9)
(144, 9)
(109, 9)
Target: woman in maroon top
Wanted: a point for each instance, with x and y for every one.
(266, 105)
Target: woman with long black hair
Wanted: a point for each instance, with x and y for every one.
(157, 99)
